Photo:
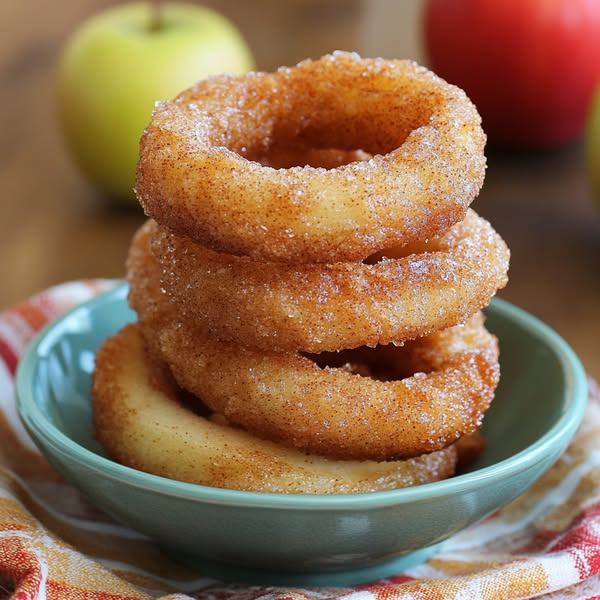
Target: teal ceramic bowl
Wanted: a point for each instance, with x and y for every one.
(297, 539)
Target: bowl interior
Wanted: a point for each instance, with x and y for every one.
(537, 388)
(536, 385)
(61, 379)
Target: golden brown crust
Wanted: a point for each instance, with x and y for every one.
(288, 398)
(199, 172)
(334, 306)
(142, 424)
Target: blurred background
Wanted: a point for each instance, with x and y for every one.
(56, 226)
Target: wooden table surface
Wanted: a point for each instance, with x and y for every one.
(54, 227)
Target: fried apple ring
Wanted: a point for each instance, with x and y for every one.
(141, 422)
(203, 168)
(318, 307)
(290, 399)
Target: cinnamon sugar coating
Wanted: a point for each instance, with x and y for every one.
(142, 423)
(439, 389)
(204, 159)
(334, 306)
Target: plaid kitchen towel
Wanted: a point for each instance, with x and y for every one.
(56, 546)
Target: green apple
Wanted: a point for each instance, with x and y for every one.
(592, 145)
(119, 63)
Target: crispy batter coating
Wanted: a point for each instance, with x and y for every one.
(334, 306)
(442, 383)
(205, 159)
(141, 421)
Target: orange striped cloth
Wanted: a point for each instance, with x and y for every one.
(55, 546)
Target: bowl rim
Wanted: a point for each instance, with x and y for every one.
(559, 434)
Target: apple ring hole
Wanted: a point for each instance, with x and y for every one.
(383, 362)
(321, 115)
(286, 156)
(413, 248)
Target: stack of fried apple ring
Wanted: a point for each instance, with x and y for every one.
(308, 286)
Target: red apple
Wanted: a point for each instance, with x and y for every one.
(530, 66)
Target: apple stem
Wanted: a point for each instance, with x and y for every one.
(156, 15)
